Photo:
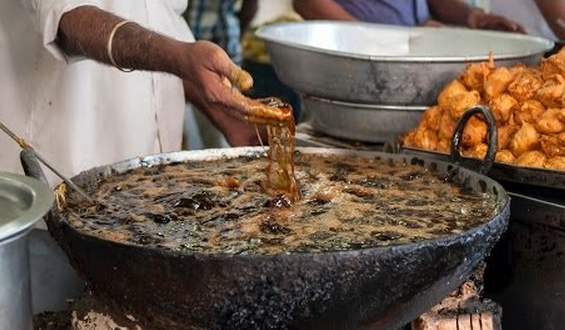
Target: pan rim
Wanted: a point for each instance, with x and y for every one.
(543, 44)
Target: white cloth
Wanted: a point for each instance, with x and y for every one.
(525, 12)
(78, 113)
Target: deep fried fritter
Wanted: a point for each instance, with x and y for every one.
(502, 107)
(444, 145)
(505, 135)
(526, 84)
(557, 162)
(431, 118)
(477, 151)
(425, 138)
(455, 87)
(475, 132)
(529, 112)
(532, 158)
(518, 69)
(497, 82)
(505, 156)
(552, 94)
(552, 121)
(475, 74)
(553, 145)
(526, 139)
(458, 104)
(555, 64)
(409, 138)
(446, 126)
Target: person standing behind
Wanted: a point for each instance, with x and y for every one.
(405, 12)
(222, 22)
(544, 18)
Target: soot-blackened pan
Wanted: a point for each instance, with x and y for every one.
(373, 288)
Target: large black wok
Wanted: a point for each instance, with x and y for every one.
(374, 288)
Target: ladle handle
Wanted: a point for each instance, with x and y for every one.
(485, 164)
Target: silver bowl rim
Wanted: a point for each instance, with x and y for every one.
(42, 200)
(544, 44)
(366, 105)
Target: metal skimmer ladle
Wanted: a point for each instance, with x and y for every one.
(23, 144)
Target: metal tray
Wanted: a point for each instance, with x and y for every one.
(531, 176)
(501, 171)
(360, 122)
(383, 64)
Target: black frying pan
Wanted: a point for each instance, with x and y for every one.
(373, 288)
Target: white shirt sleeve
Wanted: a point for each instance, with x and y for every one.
(46, 15)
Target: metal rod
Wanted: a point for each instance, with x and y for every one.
(26, 146)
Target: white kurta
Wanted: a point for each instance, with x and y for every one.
(78, 113)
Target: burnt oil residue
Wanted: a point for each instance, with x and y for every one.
(219, 207)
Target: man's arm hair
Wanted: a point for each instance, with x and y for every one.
(85, 31)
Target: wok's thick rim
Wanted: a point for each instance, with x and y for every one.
(503, 201)
(544, 44)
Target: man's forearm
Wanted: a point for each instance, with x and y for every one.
(321, 9)
(85, 31)
(455, 12)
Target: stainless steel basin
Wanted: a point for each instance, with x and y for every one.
(384, 64)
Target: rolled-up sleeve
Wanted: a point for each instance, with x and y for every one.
(47, 14)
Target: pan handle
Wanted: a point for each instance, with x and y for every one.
(31, 166)
(485, 164)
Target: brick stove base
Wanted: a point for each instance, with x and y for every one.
(86, 313)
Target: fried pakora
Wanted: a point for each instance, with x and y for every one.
(557, 163)
(529, 112)
(551, 121)
(497, 82)
(526, 139)
(533, 158)
(527, 102)
(502, 107)
(505, 156)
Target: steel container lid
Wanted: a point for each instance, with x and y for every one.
(23, 201)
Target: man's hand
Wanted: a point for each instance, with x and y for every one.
(478, 19)
(212, 82)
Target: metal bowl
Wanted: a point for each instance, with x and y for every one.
(360, 122)
(23, 201)
(383, 64)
